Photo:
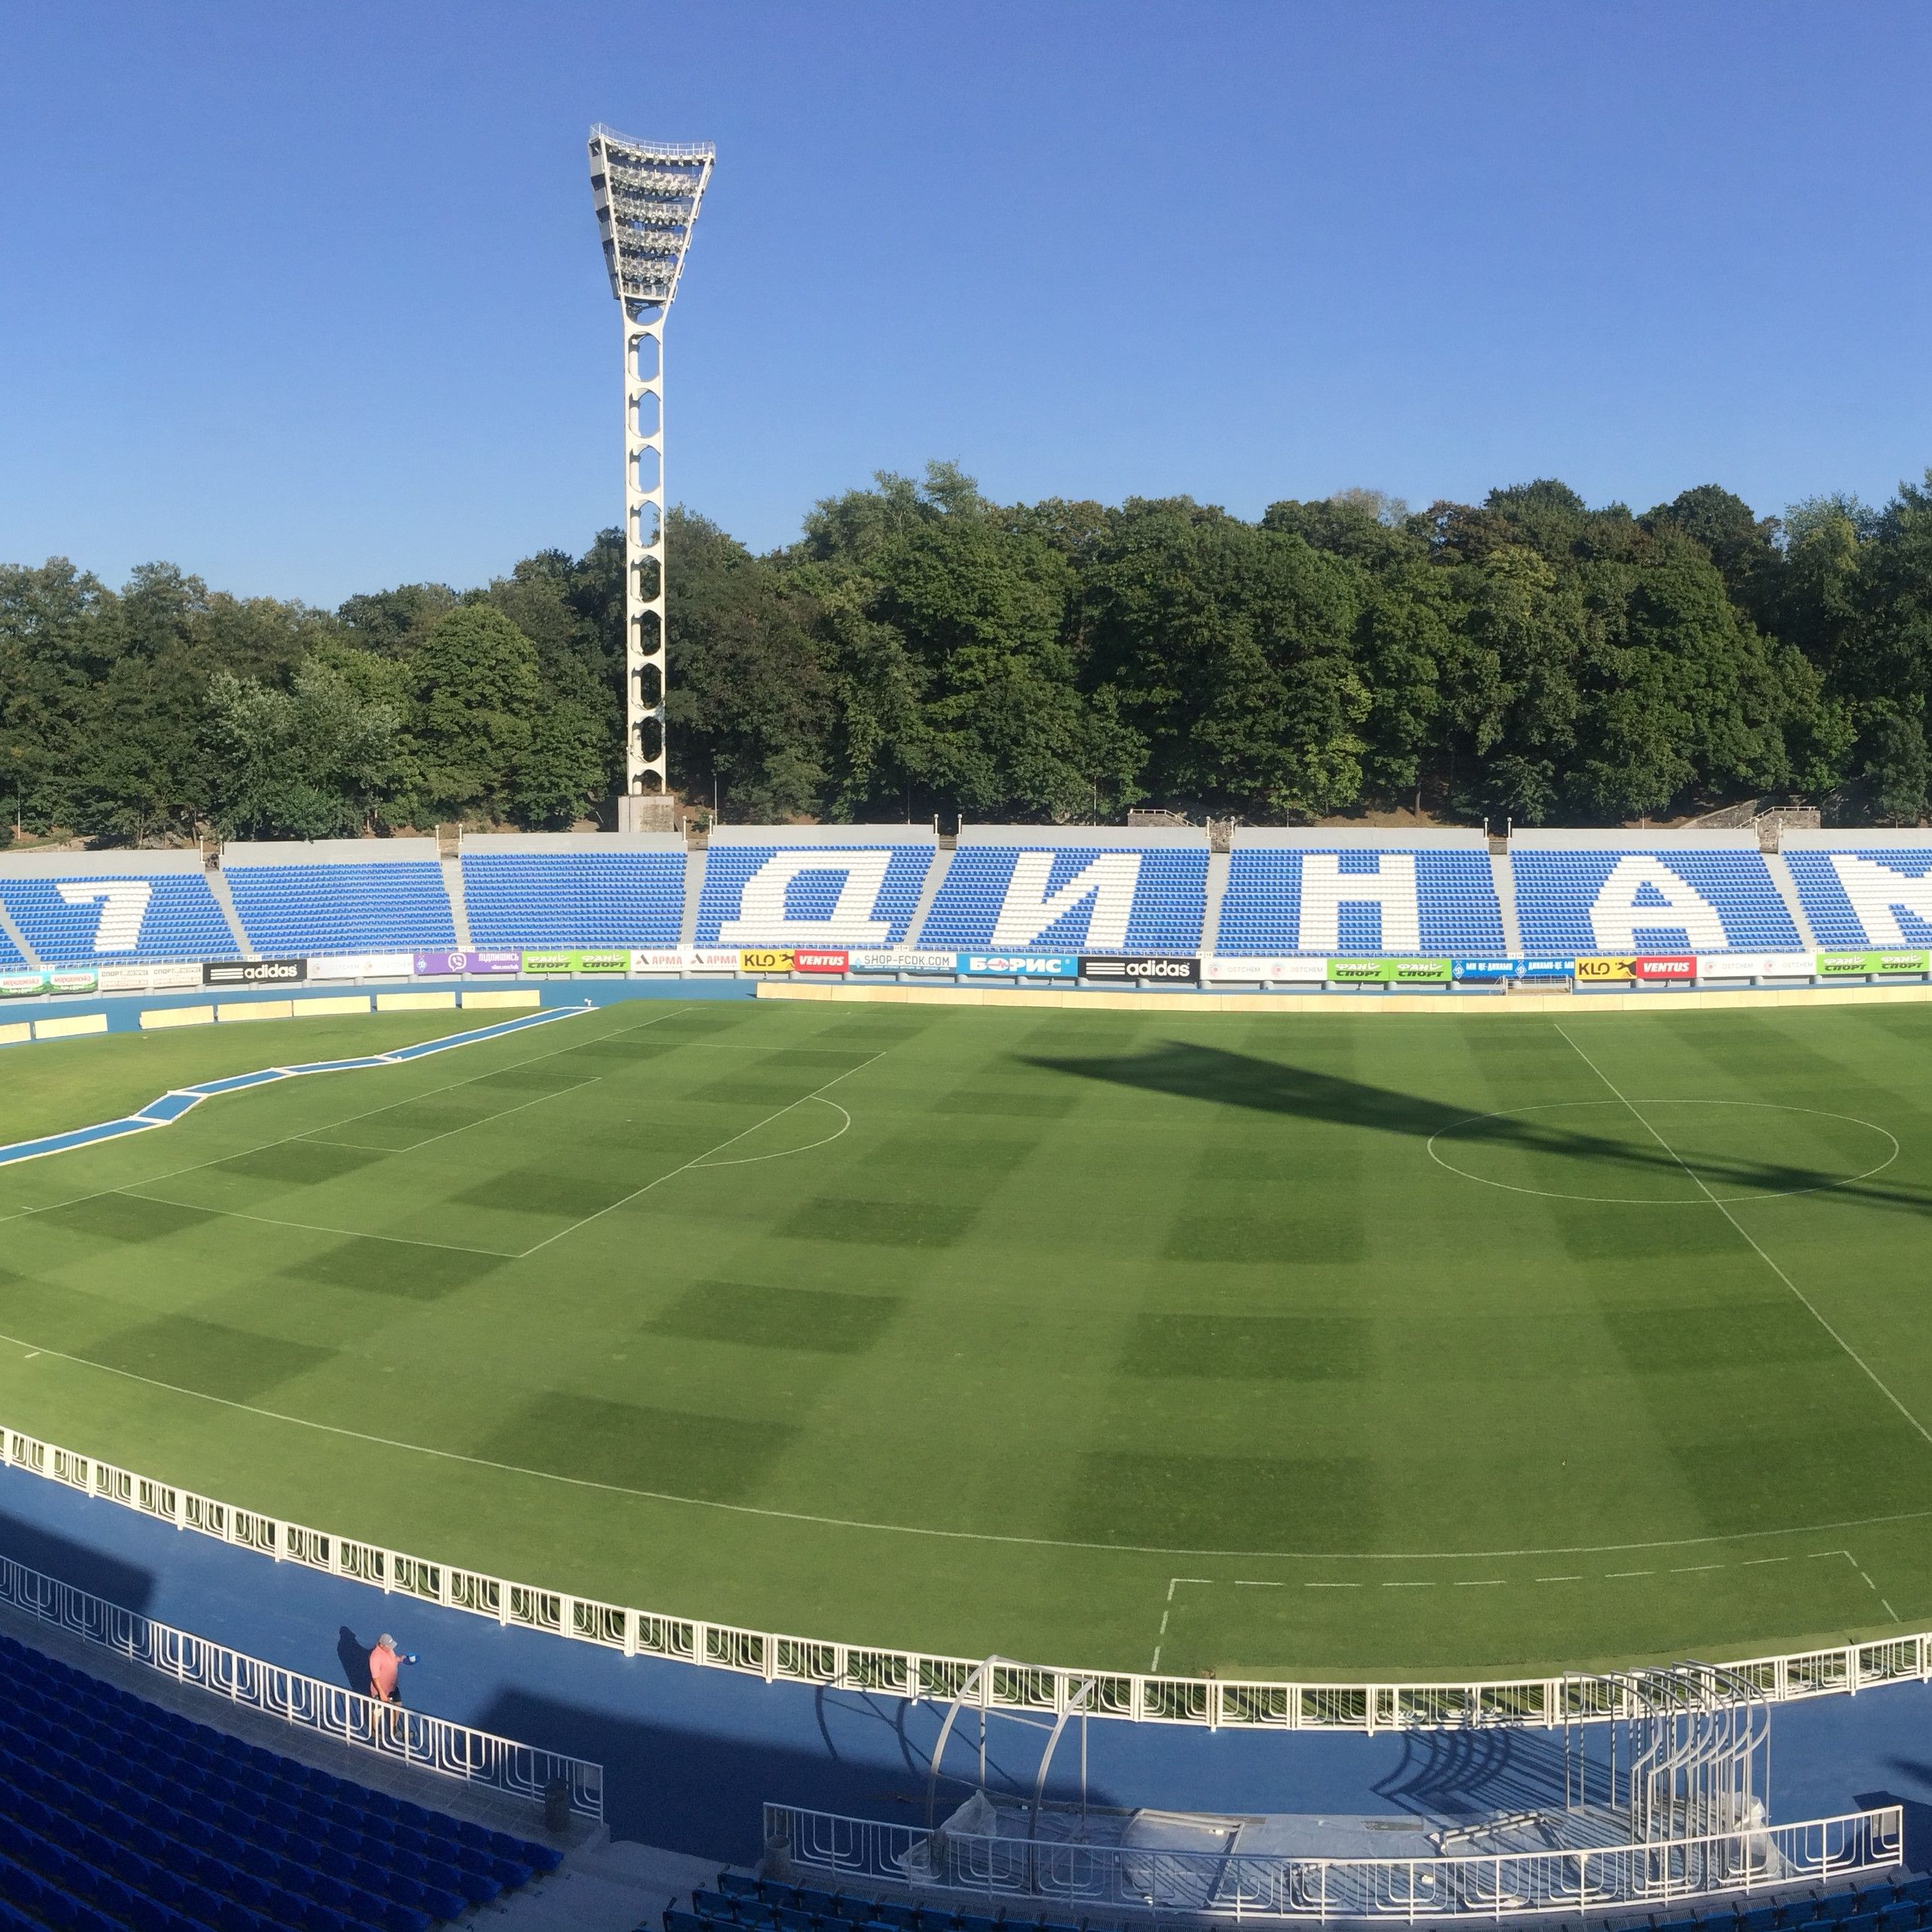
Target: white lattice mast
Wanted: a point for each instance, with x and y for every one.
(648, 194)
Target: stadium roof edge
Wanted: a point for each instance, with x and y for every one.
(127, 863)
(247, 852)
(824, 835)
(483, 844)
(1806, 840)
(1193, 837)
(1374, 838)
(1545, 839)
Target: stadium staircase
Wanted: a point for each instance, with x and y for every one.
(118, 1814)
(694, 858)
(1218, 862)
(225, 899)
(1787, 890)
(459, 909)
(935, 874)
(737, 1903)
(12, 936)
(1504, 881)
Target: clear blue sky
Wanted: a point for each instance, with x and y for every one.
(309, 298)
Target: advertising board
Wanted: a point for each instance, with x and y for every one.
(766, 959)
(254, 972)
(73, 979)
(1843, 965)
(441, 965)
(818, 959)
(937, 963)
(1016, 966)
(1485, 970)
(684, 958)
(22, 985)
(1754, 965)
(575, 961)
(364, 966)
(1388, 972)
(1548, 969)
(1141, 969)
(1603, 969)
(1279, 971)
(172, 978)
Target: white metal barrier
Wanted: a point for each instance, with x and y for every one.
(1275, 1885)
(408, 1737)
(994, 1684)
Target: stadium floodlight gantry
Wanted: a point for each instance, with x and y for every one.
(648, 195)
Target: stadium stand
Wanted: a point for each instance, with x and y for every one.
(118, 1816)
(77, 908)
(1053, 889)
(854, 885)
(1579, 891)
(1317, 892)
(569, 889)
(1863, 893)
(332, 896)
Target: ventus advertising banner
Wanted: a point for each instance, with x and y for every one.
(1388, 972)
(819, 959)
(1607, 969)
(1865, 966)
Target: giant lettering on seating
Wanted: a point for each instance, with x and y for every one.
(1593, 892)
(75, 908)
(837, 886)
(1865, 892)
(1358, 892)
(1074, 889)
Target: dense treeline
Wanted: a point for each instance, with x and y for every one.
(922, 648)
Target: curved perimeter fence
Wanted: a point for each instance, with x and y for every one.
(990, 1683)
(405, 1737)
(1284, 1885)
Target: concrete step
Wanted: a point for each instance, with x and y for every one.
(1787, 890)
(935, 874)
(1218, 863)
(217, 885)
(459, 909)
(1505, 884)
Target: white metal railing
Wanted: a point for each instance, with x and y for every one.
(998, 1685)
(408, 1737)
(1280, 1885)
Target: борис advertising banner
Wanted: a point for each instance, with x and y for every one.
(1867, 965)
(1388, 972)
(254, 972)
(1141, 969)
(1016, 966)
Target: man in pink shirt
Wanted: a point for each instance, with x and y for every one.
(382, 1663)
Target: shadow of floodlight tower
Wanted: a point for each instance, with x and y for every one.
(648, 194)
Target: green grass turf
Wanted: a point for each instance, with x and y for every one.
(1319, 1347)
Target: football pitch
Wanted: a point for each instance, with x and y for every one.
(1336, 1347)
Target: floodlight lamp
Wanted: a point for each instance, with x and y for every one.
(648, 193)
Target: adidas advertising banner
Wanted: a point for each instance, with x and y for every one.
(1289, 971)
(1140, 969)
(254, 973)
(937, 963)
(1388, 972)
(1016, 966)
(1868, 966)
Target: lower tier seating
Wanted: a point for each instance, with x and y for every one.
(118, 1816)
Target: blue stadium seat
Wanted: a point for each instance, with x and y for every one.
(814, 893)
(1555, 890)
(1457, 912)
(574, 899)
(1835, 921)
(1168, 907)
(317, 910)
(154, 916)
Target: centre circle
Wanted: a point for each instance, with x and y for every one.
(1664, 1153)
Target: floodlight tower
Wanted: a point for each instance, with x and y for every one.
(648, 193)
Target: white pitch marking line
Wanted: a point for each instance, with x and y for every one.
(502, 1113)
(1691, 1569)
(1482, 1583)
(1611, 1576)
(1891, 1613)
(699, 1159)
(1559, 1579)
(1804, 1299)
